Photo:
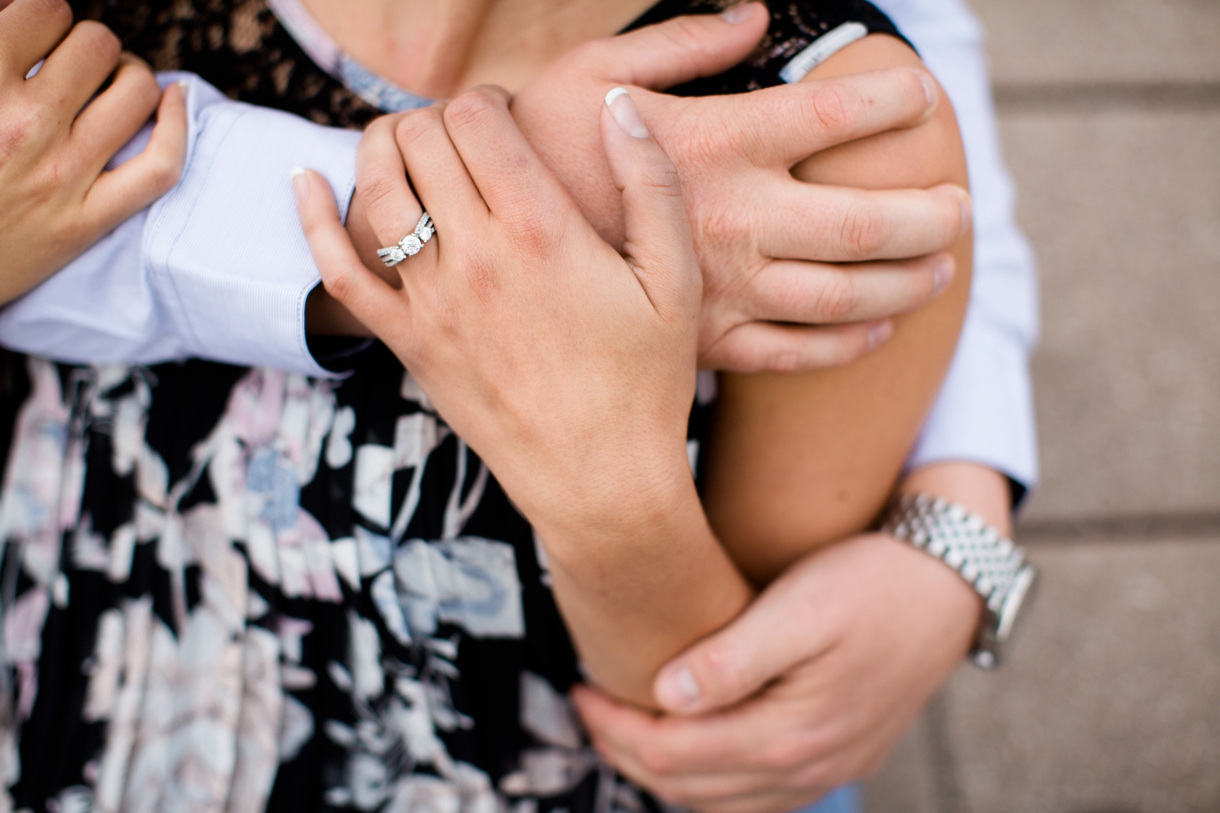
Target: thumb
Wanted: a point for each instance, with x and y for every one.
(658, 245)
(774, 634)
(685, 48)
(365, 294)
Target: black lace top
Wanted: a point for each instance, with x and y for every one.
(231, 589)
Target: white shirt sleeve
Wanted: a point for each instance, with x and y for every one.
(984, 413)
(218, 268)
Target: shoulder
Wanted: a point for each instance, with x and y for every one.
(801, 35)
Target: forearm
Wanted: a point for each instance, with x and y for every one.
(636, 592)
(805, 460)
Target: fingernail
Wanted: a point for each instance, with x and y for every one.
(967, 210)
(737, 14)
(625, 113)
(880, 334)
(300, 184)
(677, 688)
(183, 85)
(929, 90)
(942, 275)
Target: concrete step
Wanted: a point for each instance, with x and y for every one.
(1111, 702)
(1123, 208)
(1102, 41)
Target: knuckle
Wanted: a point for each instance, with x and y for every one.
(686, 35)
(470, 109)
(790, 753)
(532, 237)
(383, 129)
(22, 124)
(701, 146)
(833, 107)
(54, 12)
(480, 273)
(661, 176)
(374, 186)
(785, 359)
(144, 88)
(656, 761)
(862, 231)
(339, 283)
(837, 299)
(99, 40)
(724, 223)
(163, 171)
(415, 125)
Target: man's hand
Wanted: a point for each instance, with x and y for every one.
(776, 296)
(57, 132)
(837, 658)
(766, 242)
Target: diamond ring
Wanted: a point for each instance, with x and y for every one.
(410, 245)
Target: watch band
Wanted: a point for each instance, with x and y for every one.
(992, 564)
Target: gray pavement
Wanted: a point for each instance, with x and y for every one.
(1110, 115)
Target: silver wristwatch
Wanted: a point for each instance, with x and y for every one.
(995, 567)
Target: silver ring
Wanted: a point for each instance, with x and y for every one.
(410, 245)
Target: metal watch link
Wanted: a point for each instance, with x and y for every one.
(993, 565)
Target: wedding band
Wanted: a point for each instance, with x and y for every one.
(410, 245)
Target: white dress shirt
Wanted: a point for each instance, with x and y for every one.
(219, 267)
(985, 411)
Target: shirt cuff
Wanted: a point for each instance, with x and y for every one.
(984, 413)
(226, 251)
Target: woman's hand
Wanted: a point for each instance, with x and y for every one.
(57, 132)
(569, 368)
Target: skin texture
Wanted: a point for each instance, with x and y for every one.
(904, 624)
(568, 368)
(803, 460)
(786, 711)
(734, 154)
(608, 549)
(55, 139)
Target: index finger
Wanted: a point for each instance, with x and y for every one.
(780, 126)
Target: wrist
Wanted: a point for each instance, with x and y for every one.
(620, 513)
(982, 490)
(936, 591)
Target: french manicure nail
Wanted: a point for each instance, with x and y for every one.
(300, 184)
(942, 275)
(879, 334)
(183, 85)
(678, 689)
(929, 90)
(737, 14)
(624, 111)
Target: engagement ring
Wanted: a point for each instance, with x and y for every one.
(410, 245)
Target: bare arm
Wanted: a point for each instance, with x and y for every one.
(638, 573)
(802, 460)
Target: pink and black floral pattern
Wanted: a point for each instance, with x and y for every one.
(233, 590)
